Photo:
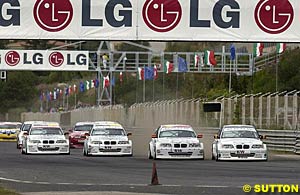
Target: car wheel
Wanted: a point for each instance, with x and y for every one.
(84, 153)
(154, 155)
(212, 157)
(149, 154)
(22, 151)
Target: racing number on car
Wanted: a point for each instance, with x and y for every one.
(274, 16)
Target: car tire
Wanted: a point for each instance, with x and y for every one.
(84, 153)
(213, 157)
(149, 154)
(154, 155)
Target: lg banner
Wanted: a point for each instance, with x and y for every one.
(199, 20)
(44, 60)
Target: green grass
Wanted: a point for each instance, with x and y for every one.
(7, 192)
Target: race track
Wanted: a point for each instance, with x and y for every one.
(76, 173)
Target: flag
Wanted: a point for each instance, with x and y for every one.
(121, 77)
(196, 60)
(209, 58)
(113, 81)
(280, 48)
(141, 73)
(105, 82)
(96, 83)
(232, 52)
(70, 90)
(81, 86)
(148, 73)
(57, 93)
(258, 49)
(92, 84)
(75, 88)
(87, 85)
(67, 91)
(48, 96)
(155, 72)
(168, 67)
(41, 96)
(182, 65)
(54, 94)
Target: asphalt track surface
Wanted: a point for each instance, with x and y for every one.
(75, 173)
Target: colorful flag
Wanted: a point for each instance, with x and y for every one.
(182, 65)
(258, 49)
(148, 73)
(280, 48)
(105, 82)
(70, 90)
(96, 83)
(196, 60)
(141, 72)
(92, 84)
(155, 72)
(168, 67)
(67, 91)
(113, 82)
(54, 94)
(75, 88)
(87, 85)
(81, 86)
(232, 52)
(41, 96)
(209, 58)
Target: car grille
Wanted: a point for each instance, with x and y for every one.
(180, 145)
(110, 150)
(180, 153)
(48, 142)
(242, 146)
(242, 155)
(48, 149)
(110, 142)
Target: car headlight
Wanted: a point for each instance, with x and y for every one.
(96, 142)
(165, 145)
(35, 141)
(194, 145)
(257, 146)
(61, 141)
(227, 146)
(123, 142)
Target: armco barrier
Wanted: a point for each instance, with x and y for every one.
(282, 140)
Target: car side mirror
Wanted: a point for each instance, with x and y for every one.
(66, 133)
(216, 136)
(25, 134)
(86, 134)
(199, 136)
(154, 136)
(129, 134)
(70, 130)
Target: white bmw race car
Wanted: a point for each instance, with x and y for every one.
(107, 138)
(239, 142)
(175, 142)
(45, 140)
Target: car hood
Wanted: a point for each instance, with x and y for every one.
(178, 140)
(41, 137)
(108, 138)
(236, 141)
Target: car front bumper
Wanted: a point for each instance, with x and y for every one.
(48, 149)
(110, 150)
(251, 154)
(8, 137)
(188, 153)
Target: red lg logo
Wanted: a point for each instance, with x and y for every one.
(162, 15)
(53, 15)
(56, 59)
(12, 58)
(274, 16)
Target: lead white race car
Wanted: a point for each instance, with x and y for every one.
(45, 140)
(108, 139)
(175, 142)
(239, 142)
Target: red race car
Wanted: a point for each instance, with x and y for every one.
(78, 134)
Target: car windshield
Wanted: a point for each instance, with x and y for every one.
(239, 134)
(46, 131)
(9, 126)
(26, 127)
(176, 133)
(83, 128)
(108, 131)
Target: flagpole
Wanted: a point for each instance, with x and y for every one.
(75, 100)
(177, 86)
(230, 77)
(144, 88)
(153, 90)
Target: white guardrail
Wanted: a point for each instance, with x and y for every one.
(282, 140)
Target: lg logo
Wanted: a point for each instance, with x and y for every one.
(12, 58)
(56, 59)
(53, 15)
(274, 16)
(161, 15)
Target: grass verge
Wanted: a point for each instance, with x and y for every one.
(7, 192)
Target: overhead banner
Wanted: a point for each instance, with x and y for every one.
(45, 60)
(160, 20)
